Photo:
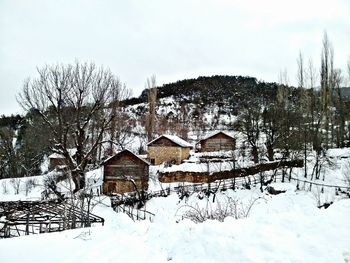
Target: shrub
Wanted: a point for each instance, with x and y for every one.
(230, 208)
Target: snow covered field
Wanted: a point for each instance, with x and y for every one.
(282, 228)
(279, 228)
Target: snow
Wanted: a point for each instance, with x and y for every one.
(56, 156)
(218, 154)
(208, 162)
(283, 186)
(210, 167)
(282, 228)
(216, 133)
(8, 188)
(332, 171)
(71, 152)
(339, 153)
(177, 140)
(127, 150)
(287, 227)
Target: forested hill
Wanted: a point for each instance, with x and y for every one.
(228, 89)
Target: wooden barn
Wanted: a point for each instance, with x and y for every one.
(123, 172)
(219, 141)
(56, 160)
(168, 148)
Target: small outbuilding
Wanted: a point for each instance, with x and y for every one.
(219, 141)
(56, 160)
(168, 148)
(125, 172)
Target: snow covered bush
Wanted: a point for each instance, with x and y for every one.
(4, 187)
(30, 184)
(16, 184)
(346, 173)
(232, 207)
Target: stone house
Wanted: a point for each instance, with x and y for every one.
(219, 141)
(124, 172)
(168, 148)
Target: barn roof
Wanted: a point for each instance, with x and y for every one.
(125, 151)
(216, 133)
(72, 152)
(56, 156)
(175, 139)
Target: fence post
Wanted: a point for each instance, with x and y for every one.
(27, 225)
(7, 231)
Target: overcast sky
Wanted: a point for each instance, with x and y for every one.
(171, 39)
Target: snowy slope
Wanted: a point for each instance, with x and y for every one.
(279, 228)
(283, 228)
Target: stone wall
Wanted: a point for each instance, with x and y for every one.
(204, 177)
(191, 177)
(185, 153)
(158, 154)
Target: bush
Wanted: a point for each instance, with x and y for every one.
(231, 208)
(4, 187)
(16, 184)
(30, 184)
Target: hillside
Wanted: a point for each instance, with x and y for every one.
(230, 90)
(191, 107)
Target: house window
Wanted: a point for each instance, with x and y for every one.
(153, 161)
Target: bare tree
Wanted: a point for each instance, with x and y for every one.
(10, 158)
(120, 130)
(152, 98)
(287, 116)
(301, 71)
(270, 126)
(184, 120)
(339, 118)
(302, 106)
(349, 70)
(283, 78)
(314, 108)
(326, 83)
(311, 74)
(249, 124)
(69, 98)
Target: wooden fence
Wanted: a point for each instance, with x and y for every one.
(221, 185)
(35, 217)
(134, 213)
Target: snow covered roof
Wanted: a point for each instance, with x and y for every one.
(72, 152)
(339, 153)
(56, 156)
(128, 151)
(175, 139)
(216, 133)
(200, 167)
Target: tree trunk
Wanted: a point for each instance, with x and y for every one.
(270, 152)
(78, 180)
(255, 154)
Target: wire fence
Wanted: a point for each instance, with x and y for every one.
(246, 182)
